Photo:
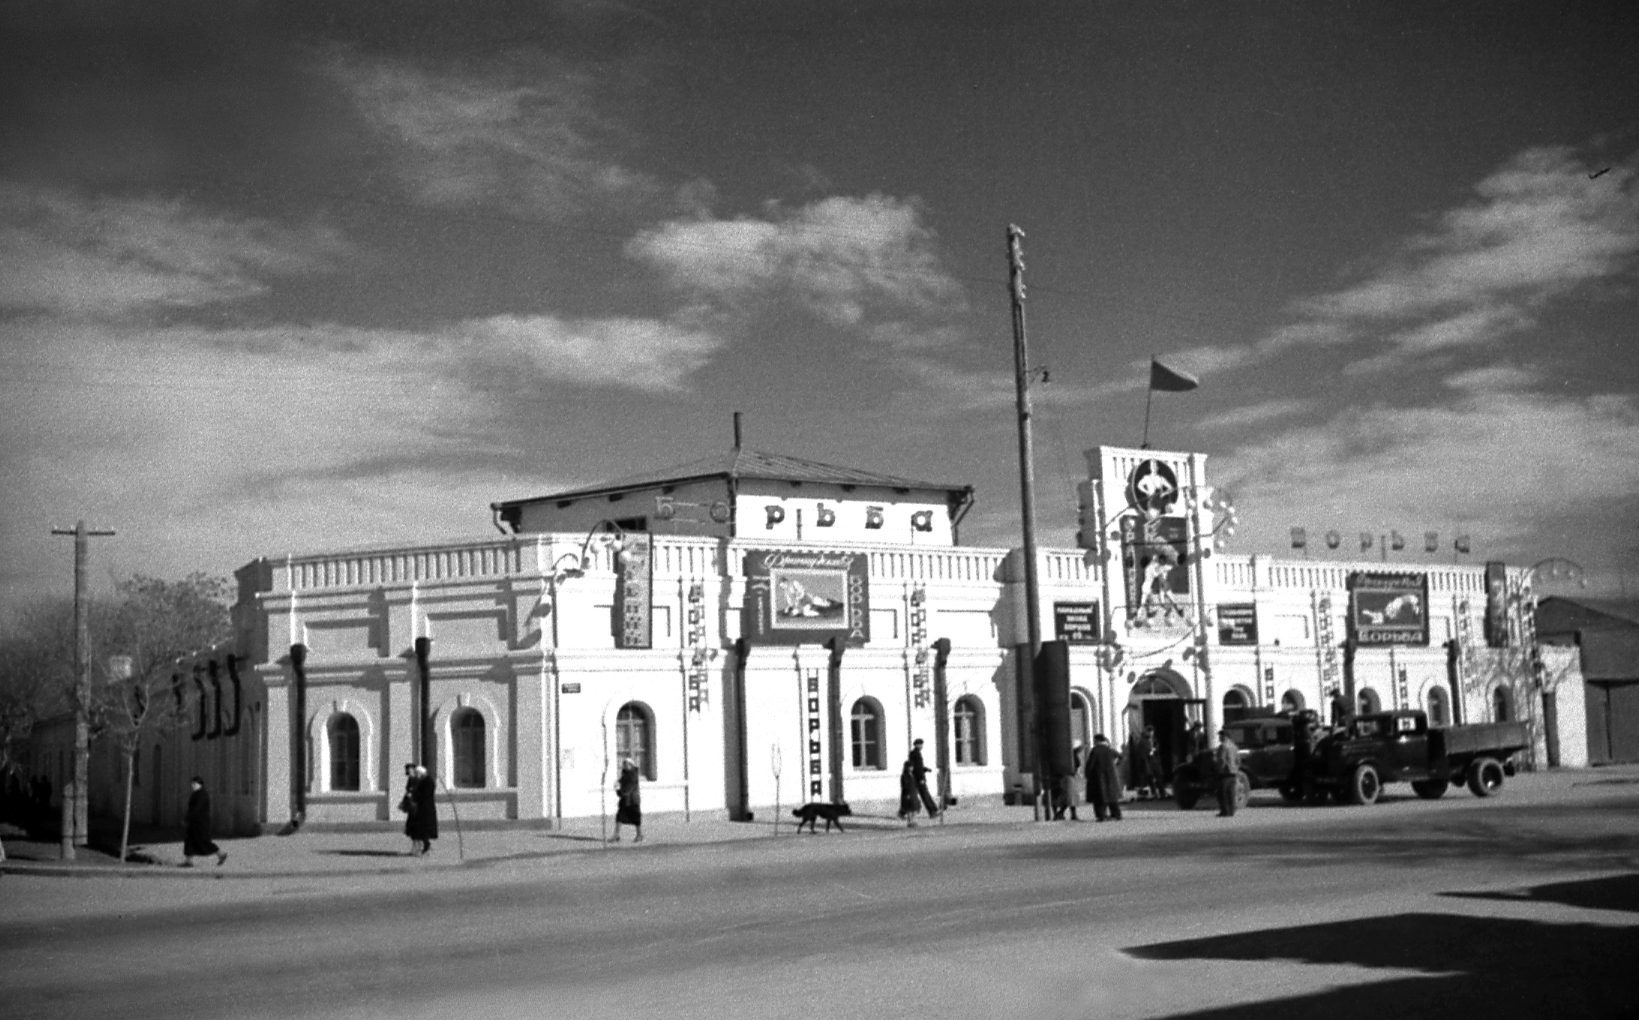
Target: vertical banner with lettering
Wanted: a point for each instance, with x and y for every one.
(797, 597)
(634, 612)
(1496, 604)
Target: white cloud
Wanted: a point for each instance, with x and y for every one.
(1537, 229)
(869, 264)
(66, 254)
(525, 139)
(1497, 460)
(1254, 414)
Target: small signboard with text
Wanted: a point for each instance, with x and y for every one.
(1388, 608)
(1237, 623)
(1078, 623)
(807, 596)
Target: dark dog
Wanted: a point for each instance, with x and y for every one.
(813, 811)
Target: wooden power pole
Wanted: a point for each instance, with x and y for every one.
(76, 814)
(1027, 499)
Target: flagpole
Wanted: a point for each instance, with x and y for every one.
(1148, 401)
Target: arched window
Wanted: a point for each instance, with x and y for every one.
(1291, 701)
(1502, 705)
(1236, 702)
(1369, 701)
(968, 718)
(467, 743)
(865, 735)
(1439, 707)
(344, 752)
(634, 737)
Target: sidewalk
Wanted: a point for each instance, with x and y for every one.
(313, 854)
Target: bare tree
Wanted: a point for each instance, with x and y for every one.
(151, 625)
(36, 676)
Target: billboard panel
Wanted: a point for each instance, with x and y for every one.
(1388, 608)
(1155, 555)
(805, 596)
(1237, 624)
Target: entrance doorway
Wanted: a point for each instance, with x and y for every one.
(1161, 701)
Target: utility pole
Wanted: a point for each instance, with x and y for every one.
(76, 814)
(1027, 490)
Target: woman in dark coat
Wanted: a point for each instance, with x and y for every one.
(421, 825)
(629, 807)
(910, 800)
(196, 835)
(1104, 779)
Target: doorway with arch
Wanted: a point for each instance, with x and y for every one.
(1163, 700)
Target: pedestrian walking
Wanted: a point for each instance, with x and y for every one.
(921, 771)
(909, 802)
(1104, 779)
(629, 800)
(196, 833)
(1226, 762)
(421, 823)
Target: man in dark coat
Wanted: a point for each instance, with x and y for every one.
(921, 770)
(196, 833)
(1226, 763)
(908, 801)
(421, 825)
(1104, 779)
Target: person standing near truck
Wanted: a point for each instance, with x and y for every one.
(1226, 761)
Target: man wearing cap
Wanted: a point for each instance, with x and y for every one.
(1226, 761)
(920, 770)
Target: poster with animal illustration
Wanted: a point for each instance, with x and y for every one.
(1388, 608)
(807, 597)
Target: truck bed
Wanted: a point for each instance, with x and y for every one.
(1497, 740)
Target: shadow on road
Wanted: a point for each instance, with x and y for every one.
(363, 853)
(1619, 892)
(1472, 966)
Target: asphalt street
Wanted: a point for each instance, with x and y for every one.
(1522, 905)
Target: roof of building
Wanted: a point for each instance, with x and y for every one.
(740, 462)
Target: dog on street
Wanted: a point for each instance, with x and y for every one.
(813, 811)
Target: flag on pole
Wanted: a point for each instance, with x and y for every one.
(1170, 380)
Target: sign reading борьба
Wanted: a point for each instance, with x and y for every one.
(1388, 608)
(807, 596)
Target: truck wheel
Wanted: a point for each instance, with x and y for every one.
(1364, 785)
(1316, 796)
(1184, 791)
(1431, 789)
(1243, 790)
(1291, 794)
(1485, 777)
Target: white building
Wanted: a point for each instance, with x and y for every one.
(755, 629)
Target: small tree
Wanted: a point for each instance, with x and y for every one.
(36, 675)
(152, 624)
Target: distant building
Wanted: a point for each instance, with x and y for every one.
(755, 628)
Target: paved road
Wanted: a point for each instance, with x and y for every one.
(1525, 905)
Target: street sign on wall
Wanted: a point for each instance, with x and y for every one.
(1237, 623)
(1078, 623)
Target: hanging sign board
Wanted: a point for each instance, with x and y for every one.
(807, 596)
(1237, 624)
(1388, 608)
(1077, 623)
(634, 611)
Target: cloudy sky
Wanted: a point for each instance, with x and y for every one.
(292, 277)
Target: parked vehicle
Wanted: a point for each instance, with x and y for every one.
(1354, 762)
(1267, 755)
